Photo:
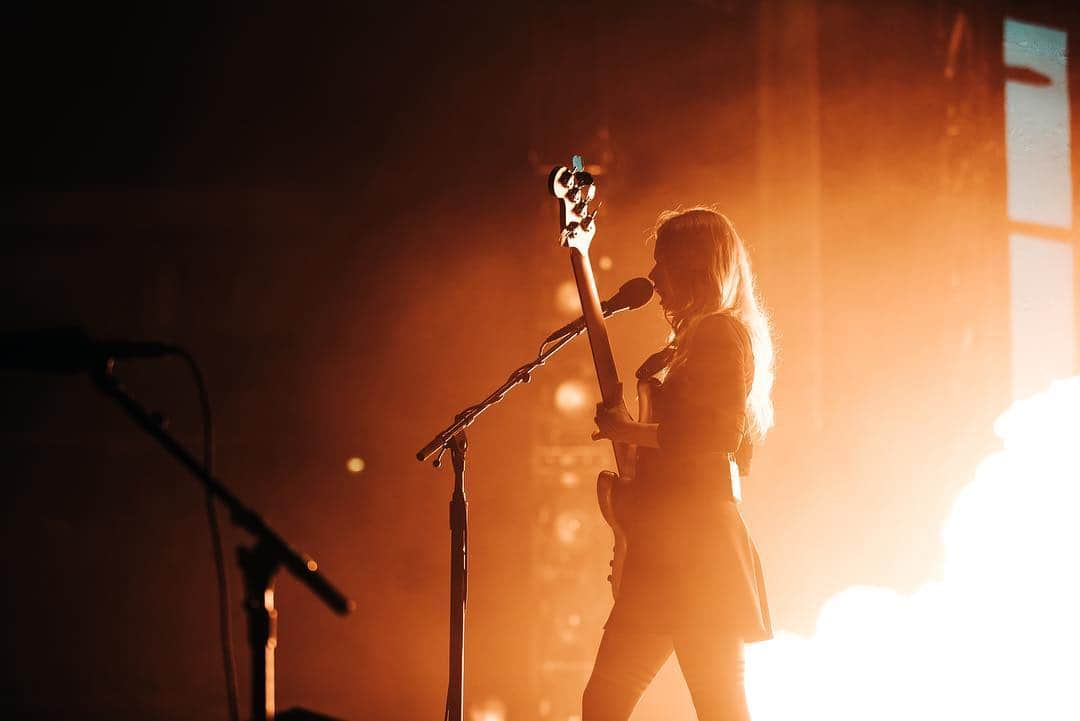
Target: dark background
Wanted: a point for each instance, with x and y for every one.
(341, 213)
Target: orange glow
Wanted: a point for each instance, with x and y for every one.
(568, 525)
(567, 300)
(998, 637)
(355, 464)
(572, 396)
(491, 710)
(570, 479)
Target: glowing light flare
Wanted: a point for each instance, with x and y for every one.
(491, 710)
(355, 464)
(570, 479)
(567, 300)
(568, 526)
(997, 638)
(573, 396)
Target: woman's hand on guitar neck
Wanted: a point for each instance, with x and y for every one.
(616, 424)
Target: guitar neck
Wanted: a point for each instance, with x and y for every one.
(606, 372)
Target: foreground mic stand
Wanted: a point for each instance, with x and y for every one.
(452, 438)
(259, 562)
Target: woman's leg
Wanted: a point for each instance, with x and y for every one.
(625, 664)
(713, 668)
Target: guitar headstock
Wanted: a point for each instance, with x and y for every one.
(575, 189)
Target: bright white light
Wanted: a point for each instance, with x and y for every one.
(997, 638)
(1042, 312)
(1037, 152)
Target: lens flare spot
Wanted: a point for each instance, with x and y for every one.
(572, 396)
(568, 526)
(355, 464)
(491, 710)
(567, 300)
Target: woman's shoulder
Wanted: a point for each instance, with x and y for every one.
(721, 340)
(721, 328)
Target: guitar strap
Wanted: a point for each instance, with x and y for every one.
(655, 363)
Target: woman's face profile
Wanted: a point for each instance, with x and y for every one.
(685, 251)
(660, 279)
(665, 277)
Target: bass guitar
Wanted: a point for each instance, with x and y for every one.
(574, 190)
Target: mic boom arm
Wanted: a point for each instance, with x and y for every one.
(633, 294)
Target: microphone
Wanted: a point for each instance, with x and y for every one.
(68, 350)
(634, 293)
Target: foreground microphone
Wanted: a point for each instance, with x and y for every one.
(634, 293)
(68, 350)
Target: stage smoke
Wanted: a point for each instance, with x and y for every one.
(996, 638)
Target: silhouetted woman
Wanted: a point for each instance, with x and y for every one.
(692, 583)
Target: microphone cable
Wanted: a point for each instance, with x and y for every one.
(224, 597)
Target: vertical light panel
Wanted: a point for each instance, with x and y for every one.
(1039, 195)
(1042, 312)
(1037, 126)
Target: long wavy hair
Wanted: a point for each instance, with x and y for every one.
(709, 271)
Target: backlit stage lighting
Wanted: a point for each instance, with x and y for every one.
(996, 637)
(355, 257)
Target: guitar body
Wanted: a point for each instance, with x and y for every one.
(612, 489)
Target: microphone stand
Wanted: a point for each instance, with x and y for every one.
(453, 438)
(259, 563)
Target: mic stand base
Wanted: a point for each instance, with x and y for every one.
(259, 565)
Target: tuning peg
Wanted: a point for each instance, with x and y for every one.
(581, 192)
(589, 219)
(559, 180)
(583, 179)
